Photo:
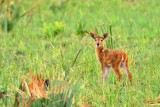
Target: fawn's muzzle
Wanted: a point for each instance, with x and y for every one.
(98, 44)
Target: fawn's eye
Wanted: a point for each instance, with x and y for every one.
(101, 40)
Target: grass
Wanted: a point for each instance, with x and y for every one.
(48, 39)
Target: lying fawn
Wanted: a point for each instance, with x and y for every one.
(111, 58)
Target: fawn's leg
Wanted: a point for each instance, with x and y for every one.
(117, 71)
(30, 101)
(105, 72)
(125, 67)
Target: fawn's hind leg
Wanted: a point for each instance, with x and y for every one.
(117, 71)
(124, 66)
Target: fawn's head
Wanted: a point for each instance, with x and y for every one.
(99, 39)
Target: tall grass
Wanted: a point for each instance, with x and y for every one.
(48, 39)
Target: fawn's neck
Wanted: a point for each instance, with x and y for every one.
(99, 53)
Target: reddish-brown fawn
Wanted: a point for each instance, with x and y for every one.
(111, 59)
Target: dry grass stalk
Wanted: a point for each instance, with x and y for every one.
(85, 105)
(153, 102)
(60, 89)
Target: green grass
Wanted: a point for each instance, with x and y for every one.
(48, 39)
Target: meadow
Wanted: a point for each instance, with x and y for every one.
(49, 37)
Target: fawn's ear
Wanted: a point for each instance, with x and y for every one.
(92, 35)
(105, 35)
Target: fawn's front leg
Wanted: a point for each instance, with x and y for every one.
(105, 72)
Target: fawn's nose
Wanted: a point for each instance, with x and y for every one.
(98, 44)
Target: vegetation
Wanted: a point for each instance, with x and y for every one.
(49, 37)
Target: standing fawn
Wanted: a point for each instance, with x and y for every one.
(111, 58)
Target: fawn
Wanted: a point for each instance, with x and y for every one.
(111, 58)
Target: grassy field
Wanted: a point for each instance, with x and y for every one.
(48, 38)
